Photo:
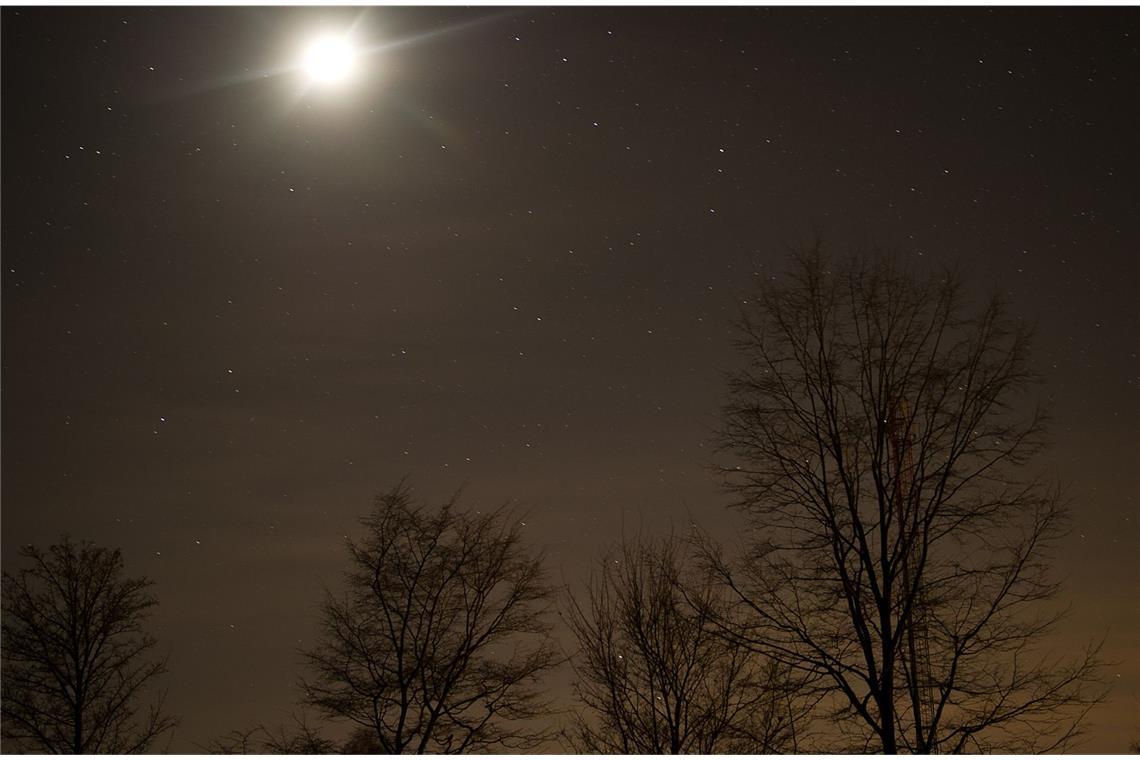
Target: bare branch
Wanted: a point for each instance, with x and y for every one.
(440, 639)
(880, 431)
(655, 676)
(76, 658)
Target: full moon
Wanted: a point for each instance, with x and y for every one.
(329, 59)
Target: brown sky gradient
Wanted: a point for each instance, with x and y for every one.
(507, 256)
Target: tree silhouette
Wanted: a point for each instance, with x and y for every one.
(900, 550)
(301, 739)
(655, 676)
(76, 660)
(362, 741)
(440, 639)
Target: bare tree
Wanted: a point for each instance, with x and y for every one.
(76, 660)
(441, 637)
(237, 742)
(653, 673)
(362, 741)
(881, 433)
(302, 739)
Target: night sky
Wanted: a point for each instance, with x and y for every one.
(505, 255)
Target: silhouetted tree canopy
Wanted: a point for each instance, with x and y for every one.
(362, 741)
(655, 675)
(440, 639)
(77, 662)
(900, 550)
(302, 738)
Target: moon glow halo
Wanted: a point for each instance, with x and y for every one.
(329, 60)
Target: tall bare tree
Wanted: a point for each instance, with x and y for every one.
(441, 637)
(654, 676)
(77, 662)
(880, 433)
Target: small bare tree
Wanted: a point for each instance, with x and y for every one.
(76, 660)
(656, 677)
(441, 637)
(301, 739)
(901, 551)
